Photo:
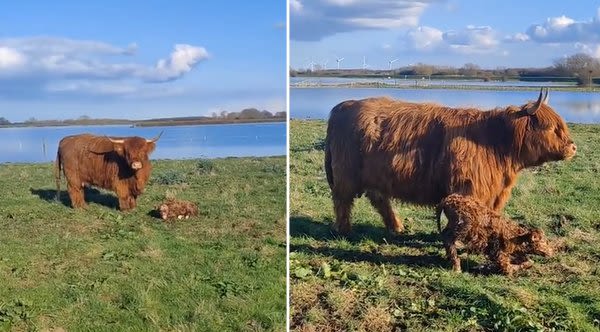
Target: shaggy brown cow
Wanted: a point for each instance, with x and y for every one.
(484, 231)
(177, 209)
(421, 153)
(120, 164)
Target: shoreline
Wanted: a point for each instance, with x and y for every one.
(381, 85)
(143, 123)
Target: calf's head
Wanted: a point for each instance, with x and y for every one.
(542, 134)
(535, 242)
(135, 150)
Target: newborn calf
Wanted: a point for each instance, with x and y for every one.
(484, 231)
(176, 209)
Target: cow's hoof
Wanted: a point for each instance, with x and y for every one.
(344, 231)
(395, 231)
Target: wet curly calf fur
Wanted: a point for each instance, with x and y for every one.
(483, 230)
(177, 209)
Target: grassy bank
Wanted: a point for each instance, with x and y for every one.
(103, 270)
(370, 281)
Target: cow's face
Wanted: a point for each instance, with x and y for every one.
(135, 150)
(545, 136)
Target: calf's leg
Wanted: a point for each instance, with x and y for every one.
(451, 252)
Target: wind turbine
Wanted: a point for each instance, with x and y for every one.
(325, 64)
(365, 65)
(392, 61)
(312, 65)
(338, 60)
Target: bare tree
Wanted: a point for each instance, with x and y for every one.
(469, 69)
(582, 66)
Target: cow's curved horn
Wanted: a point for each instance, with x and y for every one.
(541, 99)
(155, 138)
(116, 141)
(546, 97)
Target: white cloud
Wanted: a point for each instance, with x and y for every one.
(10, 59)
(181, 61)
(470, 40)
(60, 58)
(49, 65)
(564, 29)
(316, 19)
(425, 38)
(55, 45)
(517, 37)
(295, 5)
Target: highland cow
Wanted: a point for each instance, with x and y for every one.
(421, 153)
(120, 164)
(177, 209)
(485, 231)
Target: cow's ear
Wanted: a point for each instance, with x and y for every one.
(101, 147)
(119, 148)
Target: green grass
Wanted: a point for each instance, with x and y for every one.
(373, 282)
(103, 270)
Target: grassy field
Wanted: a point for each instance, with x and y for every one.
(372, 282)
(103, 270)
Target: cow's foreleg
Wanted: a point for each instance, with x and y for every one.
(383, 205)
(125, 198)
(504, 195)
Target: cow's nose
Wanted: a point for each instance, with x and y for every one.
(136, 165)
(573, 147)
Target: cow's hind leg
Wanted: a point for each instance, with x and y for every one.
(342, 208)
(76, 195)
(383, 205)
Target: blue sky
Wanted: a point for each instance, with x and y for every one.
(140, 59)
(492, 34)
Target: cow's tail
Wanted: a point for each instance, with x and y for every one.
(328, 169)
(57, 169)
(438, 215)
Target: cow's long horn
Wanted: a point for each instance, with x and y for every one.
(155, 138)
(538, 103)
(546, 96)
(116, 141)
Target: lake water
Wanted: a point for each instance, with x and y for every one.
(177, 142)
(316, 103)
(333, 81)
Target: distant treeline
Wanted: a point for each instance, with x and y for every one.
(246, 115)
(580, 68)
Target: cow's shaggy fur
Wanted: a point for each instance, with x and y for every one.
(420, 153)
(120, 164)
(177, 209)
(484, 231)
